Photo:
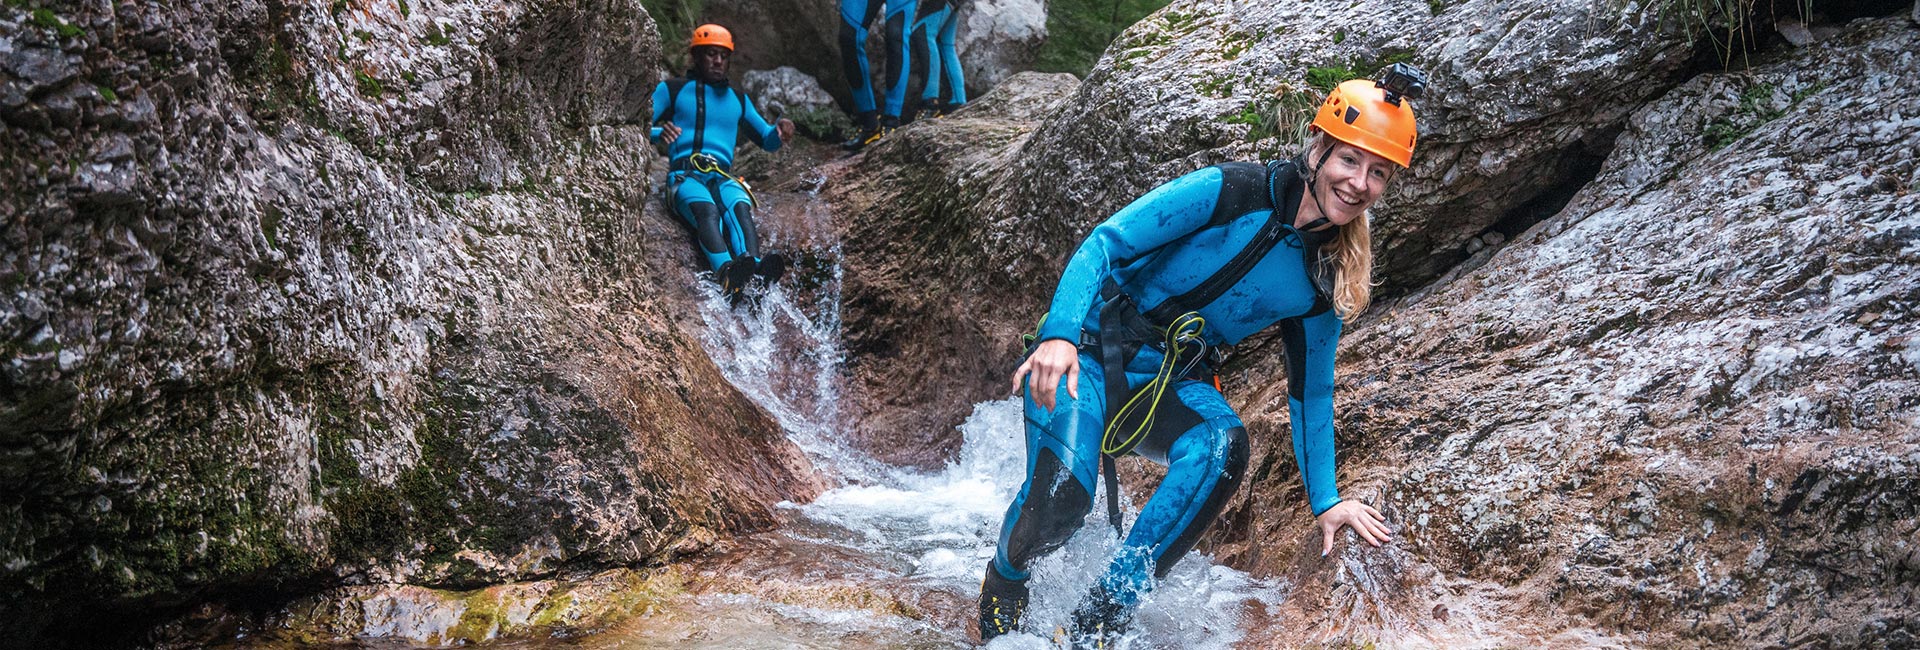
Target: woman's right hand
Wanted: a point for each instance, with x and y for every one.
(1054, 357)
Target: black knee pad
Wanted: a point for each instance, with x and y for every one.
(706, 226)
(1055, 508)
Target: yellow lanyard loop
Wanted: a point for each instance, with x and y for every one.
(701, 162)
(1184, 332)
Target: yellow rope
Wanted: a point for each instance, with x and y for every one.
(1185, 330)
(701, 162)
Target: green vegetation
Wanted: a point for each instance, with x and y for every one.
(1285, 114)
(44, 17)
(369, 86)
(1754, 111)
(1325, 78)
(435, 37)
(107, 93)
(676, 20)
(405, 11)
(364, 35)
(1730, 24)
(1078, 31)
(1216, 85)
(1436, 6)
(270, 226)
(824, 124)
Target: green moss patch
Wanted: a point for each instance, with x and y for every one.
(1325, 78)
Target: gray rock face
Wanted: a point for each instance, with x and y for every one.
(1677, 412)
(997, 38)
(302, 295)
(784, 89)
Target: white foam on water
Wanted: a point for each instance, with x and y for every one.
(946, 526)
(939, 529)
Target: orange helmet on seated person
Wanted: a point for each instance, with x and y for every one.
(711, 34)
(1375, 115)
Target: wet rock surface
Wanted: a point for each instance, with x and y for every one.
(1680, 411)
(357, 293)
(925, 342)
(1646, 382)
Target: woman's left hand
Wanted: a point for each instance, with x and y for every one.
(1361, 517)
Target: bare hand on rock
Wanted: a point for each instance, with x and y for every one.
(1361, 517)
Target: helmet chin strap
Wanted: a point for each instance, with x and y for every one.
(1313, 178)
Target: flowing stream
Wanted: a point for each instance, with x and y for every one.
(892, 557)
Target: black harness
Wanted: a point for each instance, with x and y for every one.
(1125, 327)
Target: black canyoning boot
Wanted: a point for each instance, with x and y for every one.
(1002, 602)
(1098, 622)
(871, 130)
(772, 266)
(734, 274)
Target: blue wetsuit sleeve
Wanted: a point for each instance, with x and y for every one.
(763, 134)
(1168, 212)
(1310, 342)
(660, 107)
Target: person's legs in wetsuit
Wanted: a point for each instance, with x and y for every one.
(1063, 459)
(933, 34)
(899, 60)
(1205, 465)
(745, 242)
(695, 200)
(855, 15)
(954, 81)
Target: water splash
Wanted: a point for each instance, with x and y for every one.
(917, 531)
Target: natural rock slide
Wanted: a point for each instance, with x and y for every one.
(355, 320)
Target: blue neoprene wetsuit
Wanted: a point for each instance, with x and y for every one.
(933, 33)
(711, 118)
(1164, 244)
(855, 15)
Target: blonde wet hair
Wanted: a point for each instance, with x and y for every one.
(1351, 250)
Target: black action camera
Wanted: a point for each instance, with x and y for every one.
(1402, 80)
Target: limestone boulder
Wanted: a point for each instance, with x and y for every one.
(1677, 413)
(362, 292)
(785, 90)
(997, 39)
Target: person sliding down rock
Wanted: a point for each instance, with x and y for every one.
(700, 117)
(1124, 358)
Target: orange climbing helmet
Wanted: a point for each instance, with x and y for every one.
(712, 35)
(1375, 115)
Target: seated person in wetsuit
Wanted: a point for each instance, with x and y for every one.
(700, 118)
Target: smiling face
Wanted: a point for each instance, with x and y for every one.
(1347, 184)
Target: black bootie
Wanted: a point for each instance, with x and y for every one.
(1002, 602)
(772, 266)
(1098, 622)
